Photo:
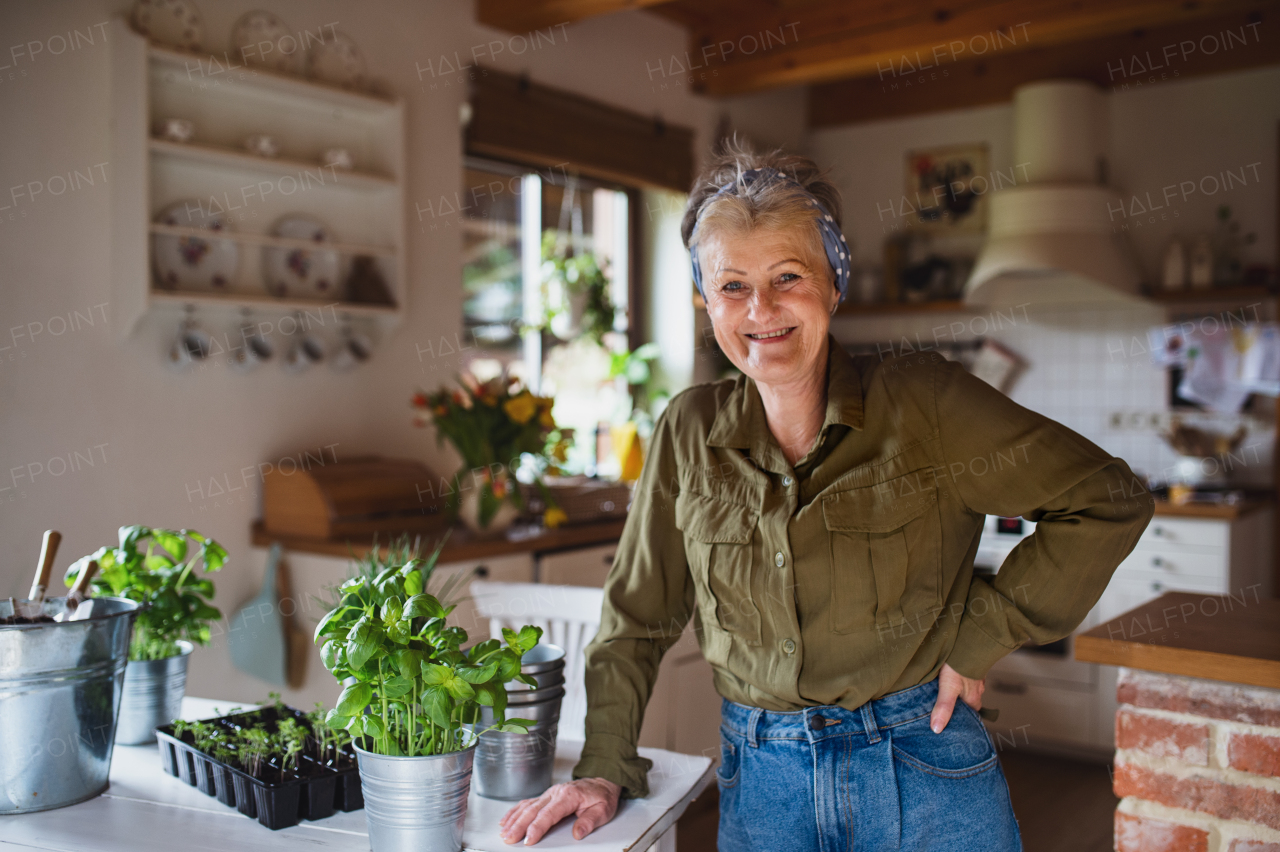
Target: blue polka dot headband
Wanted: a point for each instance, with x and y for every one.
(833, 241)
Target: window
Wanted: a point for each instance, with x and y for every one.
(531, 316)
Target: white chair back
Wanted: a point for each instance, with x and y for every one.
(569, 617)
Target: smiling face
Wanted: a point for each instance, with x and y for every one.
(770, 302)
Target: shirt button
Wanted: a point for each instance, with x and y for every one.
(786, 480)
(779, 559)
(789, 646)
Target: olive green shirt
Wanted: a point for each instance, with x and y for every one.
(849, 575)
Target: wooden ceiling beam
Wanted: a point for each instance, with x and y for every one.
(838, 41)
(524, 16)
(1117, 63)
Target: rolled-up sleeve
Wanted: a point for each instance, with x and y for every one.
(647, 602)
(1089, 507)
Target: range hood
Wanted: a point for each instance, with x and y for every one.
(1051, 240)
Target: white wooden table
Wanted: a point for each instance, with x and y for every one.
(147, 810)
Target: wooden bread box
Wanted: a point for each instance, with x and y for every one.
(353, 497)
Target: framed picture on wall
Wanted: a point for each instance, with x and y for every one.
(948, 187)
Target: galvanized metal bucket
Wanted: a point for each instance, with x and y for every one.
(415, 804)
(518, 766)
(60, 686)
(153, 691)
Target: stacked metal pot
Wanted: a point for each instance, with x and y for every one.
(518, 766)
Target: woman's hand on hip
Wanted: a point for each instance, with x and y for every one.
(953, 685)
(594, 800)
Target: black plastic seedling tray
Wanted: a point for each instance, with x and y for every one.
(322, 790)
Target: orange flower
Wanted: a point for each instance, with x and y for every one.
(546, 421)
(420, 400)
(463, 399)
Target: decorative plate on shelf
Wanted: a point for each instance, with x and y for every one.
(338, 61)
(173, 23)
(189, 262)
(262, 39)
(297, 272)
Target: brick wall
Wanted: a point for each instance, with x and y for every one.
(1197, 765)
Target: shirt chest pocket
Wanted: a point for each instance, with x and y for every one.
(886, 552)
(723, 560)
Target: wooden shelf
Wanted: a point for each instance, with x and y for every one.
(460, 547)
(279, 166)
(200, 68)
(252, 301)
(1180, 633)
(254, 239)
(1211, 294)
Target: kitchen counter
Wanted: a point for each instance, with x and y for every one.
(146, 810)
(1216, 511)
(461, 546)
(1233, 638)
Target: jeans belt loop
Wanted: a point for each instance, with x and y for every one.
(752, 721)
(869, 722)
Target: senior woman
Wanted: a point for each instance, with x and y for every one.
(817, 518)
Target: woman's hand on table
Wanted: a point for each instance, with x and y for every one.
(953, 685)
(594, 800)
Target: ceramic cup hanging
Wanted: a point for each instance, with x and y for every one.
(254, 349)
(354, 350)
(305, 350)
(190, 346)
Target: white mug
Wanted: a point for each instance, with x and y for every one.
(254, 351)
(191, 346)
(354, 351)
(307, 351)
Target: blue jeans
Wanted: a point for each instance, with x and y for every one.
(834, 780)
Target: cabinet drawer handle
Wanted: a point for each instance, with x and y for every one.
(1158, 532)
(1158, 562)
(1157, 586)
(1009, 688)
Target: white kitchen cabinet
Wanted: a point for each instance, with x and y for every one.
(1057, 703)
(584, 566)
(517, 568)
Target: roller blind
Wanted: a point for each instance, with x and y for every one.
(513, 118)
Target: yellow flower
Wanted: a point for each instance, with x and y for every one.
(546, 421)
(521, 408)
(554, 517)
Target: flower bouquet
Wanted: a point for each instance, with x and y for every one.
(492, 425)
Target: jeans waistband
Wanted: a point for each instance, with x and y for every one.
(811, 723)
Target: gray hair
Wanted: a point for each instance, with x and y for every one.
(771, 205)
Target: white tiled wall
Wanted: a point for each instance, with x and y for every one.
(1082, 369)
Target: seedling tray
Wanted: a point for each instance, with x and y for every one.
(315, 791)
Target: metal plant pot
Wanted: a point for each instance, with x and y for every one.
(415, 804)
(518, 766)
(60, 686)
(542, 658)
(533, 696)
(153, 691)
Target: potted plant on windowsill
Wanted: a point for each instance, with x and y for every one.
(411, 700)
(156, 568)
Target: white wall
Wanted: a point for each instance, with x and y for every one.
(158, 437)
(1083, 372)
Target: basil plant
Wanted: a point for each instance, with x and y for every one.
(156, 568)
(415, 687)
